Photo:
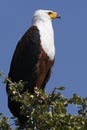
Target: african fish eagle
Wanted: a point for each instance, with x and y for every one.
(33, 57)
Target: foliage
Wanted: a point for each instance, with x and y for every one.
(4, 125)
(47, 111)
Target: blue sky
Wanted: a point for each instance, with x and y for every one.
(70, 68)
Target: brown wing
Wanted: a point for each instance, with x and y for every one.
(25, 59)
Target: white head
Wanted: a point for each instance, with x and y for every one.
(44, 15)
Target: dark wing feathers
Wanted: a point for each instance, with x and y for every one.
(25, 57)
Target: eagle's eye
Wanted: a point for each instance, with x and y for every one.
(49, 13)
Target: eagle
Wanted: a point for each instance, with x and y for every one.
(33, 57)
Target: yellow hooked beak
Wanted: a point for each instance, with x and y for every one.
(53, 15)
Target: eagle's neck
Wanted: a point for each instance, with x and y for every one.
(46, 37)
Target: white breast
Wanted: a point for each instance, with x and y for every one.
(47, 39)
